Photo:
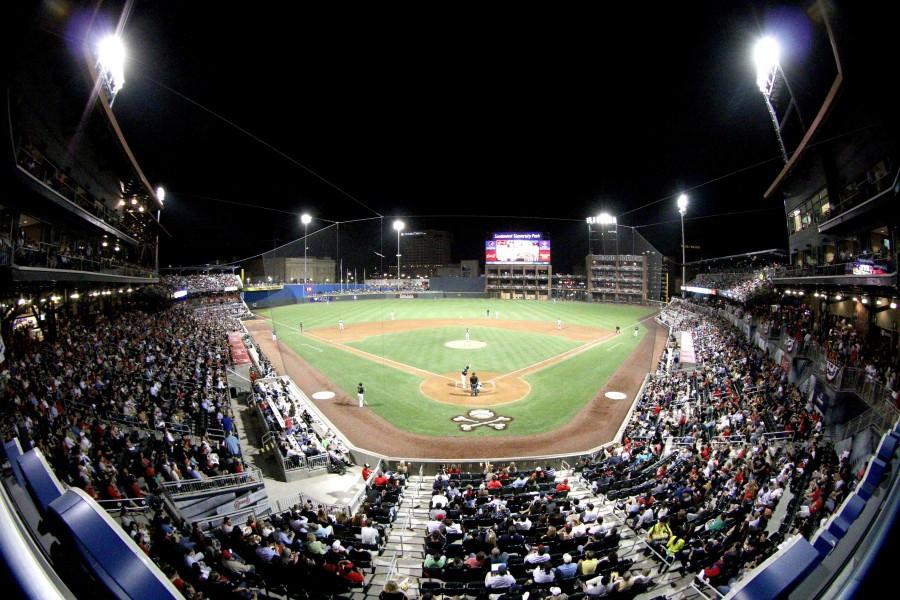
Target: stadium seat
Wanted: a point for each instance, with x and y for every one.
(888, 447)
(824, 543)
(872, 478)
(848, 513)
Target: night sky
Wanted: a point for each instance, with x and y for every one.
(480, 112)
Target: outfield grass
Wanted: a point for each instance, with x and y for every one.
(315, 315)
(506, 350)
(558, 392)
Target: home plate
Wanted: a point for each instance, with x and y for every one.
(323, 395)
(465, 344)
(615, 395)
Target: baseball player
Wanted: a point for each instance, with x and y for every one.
(467, 334)
(635, 331)
(341, 325)
(361, 394)
(559, 323)
(462, 376)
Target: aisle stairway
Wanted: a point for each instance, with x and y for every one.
(403, 553)
(402, 556)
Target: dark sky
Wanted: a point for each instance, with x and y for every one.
(457, 110)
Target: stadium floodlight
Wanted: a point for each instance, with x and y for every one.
(602, 219)
(111, 64)
(398, 227)
(865, 300)
(838, 297)
(766, 55)
(161, 194)
(306, 219)
(682, 208)
(893, 305)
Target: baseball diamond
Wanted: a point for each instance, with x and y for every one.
(541, 376)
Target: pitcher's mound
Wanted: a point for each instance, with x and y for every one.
(465, 344)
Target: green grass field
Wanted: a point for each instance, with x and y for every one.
(505, 351)
(557, 392)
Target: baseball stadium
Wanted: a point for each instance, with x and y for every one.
(419, 321)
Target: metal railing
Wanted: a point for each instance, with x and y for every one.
(288, 502)
(359, 497)
(185, 487)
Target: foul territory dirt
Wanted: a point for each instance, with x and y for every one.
(595, 424)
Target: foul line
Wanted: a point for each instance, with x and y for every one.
(312, 347)
(541, 365)
(533, 368)
(368, 355)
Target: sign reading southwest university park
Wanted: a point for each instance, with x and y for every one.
(521, 248)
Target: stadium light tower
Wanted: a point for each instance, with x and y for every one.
(111, 65)
(305, 219)
(682, 208)
(766, 56)
(603, 218)
(398, 227)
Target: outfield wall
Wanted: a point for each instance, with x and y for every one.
(295, 294)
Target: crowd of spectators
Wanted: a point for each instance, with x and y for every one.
(743, 438)
(739, 285)
(202, 282)
(508, 530)
(300, 434)
(824, 335)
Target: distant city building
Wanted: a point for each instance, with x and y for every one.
(424, 251)
(290, 269)
(464, 268)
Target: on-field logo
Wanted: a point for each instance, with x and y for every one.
(478, 417)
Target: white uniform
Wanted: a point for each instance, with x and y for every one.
(635, 331)
(341, 325)
(558, 324)
(392, 315)
(467, 335)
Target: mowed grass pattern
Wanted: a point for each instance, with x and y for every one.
(558, 392)
(505, 351)
(315, 315)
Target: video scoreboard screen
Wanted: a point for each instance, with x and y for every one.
(517, 248)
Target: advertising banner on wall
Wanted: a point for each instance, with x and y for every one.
(832, 371)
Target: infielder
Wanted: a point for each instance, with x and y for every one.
(467, 334)
(341, 325)
(635, 331)
(559, 323)
(361, 394)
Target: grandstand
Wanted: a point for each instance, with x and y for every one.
(164, 437)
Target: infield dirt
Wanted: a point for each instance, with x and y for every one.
(595, 424)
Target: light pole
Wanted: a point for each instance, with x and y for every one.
(305, 219)
(398, 227)
(765, 56)
(111, 65)
(682, 208)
